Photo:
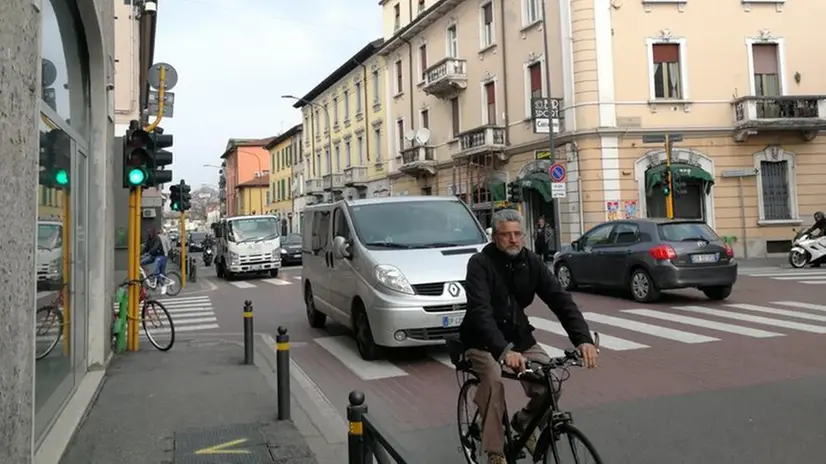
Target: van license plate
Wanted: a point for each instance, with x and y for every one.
(452, 321)
(706, 258)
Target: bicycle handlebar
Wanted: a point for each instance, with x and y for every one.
(571, 357)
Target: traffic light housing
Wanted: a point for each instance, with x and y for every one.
(175, 197)
(161, 157)
(55, 160)
(666, 184)
(137, 159)
(186, 197)
(514, 192)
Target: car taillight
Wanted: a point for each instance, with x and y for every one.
(729, 251)
(662, 252)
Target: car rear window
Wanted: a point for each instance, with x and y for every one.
(686, 231)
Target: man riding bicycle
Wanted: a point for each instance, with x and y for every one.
(154, 251)
(501, 282)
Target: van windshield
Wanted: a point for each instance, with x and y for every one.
(252, 229)
(416, 224)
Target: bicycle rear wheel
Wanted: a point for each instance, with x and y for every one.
(470, 423)
(47, 330)
(157, 324)
(573, 447)
(172, 280)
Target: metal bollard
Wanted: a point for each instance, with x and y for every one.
(282, 367)
(193, 270)
(249, 334)
(355, 435)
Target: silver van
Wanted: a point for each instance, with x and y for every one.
(392, 269)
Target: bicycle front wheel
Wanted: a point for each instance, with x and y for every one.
(47, 330)
(573, 447)
(470, 423)
(172, 280)
(157, 324)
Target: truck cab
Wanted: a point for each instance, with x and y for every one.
(49, 255)
(247, 244)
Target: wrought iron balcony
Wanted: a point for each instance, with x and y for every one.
(804, 114)
(313, 187)
(355, 176)
(483, 140)
(445, 78)
(333, 182)
(418, 161)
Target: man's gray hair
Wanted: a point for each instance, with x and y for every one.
(505, 215)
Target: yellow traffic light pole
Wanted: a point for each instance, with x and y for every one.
(669, 199)
(182, 226)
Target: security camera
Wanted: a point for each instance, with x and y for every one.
(150, 6)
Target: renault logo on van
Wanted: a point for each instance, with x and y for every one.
(453, 289)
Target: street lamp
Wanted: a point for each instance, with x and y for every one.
(329, 129)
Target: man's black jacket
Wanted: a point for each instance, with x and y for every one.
(153, 246)
(499, 288)
(820, 226)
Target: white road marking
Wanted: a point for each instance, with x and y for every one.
(650, 329)
(778, 312)
(442, 358)
(241, 284)
(795, 304)
(817, 277)
(789, 273)
(552, 351)
(185, 328)
(813, 282)
(345, 350)
(756, 319)
(276, 281)
(721, 326)
(297, 277)
(605, 341)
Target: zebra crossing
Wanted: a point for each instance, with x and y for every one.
(808, 276)
(279, 282)
(189, 314)
(619, 331)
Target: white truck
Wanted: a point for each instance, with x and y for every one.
(247, 244)
(49, 255)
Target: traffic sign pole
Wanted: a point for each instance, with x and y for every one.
(551, 138)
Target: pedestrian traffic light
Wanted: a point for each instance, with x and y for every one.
(514, 192)
(175, 197)
(55, 159)
(160, 158)
(186, 197)
(137, 159)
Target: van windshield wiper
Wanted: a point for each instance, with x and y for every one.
(437, 245)
(400, 246)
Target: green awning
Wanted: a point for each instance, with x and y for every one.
(539, 181)
(498, 190)
(679, 171)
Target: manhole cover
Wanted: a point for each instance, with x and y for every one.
(232, 444)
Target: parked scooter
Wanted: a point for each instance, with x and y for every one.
(207, 257)
(806, 250)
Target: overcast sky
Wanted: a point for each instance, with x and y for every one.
(235, 58)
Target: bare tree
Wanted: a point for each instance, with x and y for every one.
(201, 199)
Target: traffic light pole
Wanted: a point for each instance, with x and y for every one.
(133, 272)
(182, 233)
(669, 199)
(161, 96)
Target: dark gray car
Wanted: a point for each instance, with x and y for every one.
(291, 249)
(647, 256)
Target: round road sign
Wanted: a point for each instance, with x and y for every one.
(557, 172)
(153, 77)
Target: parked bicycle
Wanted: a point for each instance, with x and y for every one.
(170, 281)
(154, 316)
(48, 327)
(556, 427)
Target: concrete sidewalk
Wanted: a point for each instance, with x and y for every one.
(195, 404)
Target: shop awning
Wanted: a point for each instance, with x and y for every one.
(496, 188)
(680, 171)
(539, 181)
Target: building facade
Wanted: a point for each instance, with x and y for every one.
(747, 156)
(283, 156)
(242, 161)
(59, 217)
(298, 175)
(462, 75)
(251, 196)
(343, 133)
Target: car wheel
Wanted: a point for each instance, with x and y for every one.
(643, 288)
(314, 317)
(717, 293)
(565, 276)
(368, 349)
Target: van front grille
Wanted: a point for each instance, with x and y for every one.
(433, 333)
(432, 289)
(446, 308)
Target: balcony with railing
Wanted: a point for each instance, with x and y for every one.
(804, 114)
(483, 140)
(445, 78)
(418, 161)
(313, 187)
(355, 176)
(333, 182)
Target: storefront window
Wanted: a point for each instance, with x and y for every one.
(61, 263)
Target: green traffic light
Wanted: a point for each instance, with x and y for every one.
(61, 177)
(175, 207)
(137, 176)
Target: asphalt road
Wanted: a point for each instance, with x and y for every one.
(685, 380)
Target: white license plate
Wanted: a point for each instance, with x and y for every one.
(706, 258)
(297, 255)
(452, 321)
(256, 267)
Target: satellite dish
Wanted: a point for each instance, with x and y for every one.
(423, 135)
(410, 135)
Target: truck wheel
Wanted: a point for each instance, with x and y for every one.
(273, 272)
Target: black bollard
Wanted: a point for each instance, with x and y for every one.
(355, 435)
(282, 367)
(249, 334)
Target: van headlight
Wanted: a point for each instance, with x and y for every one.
(392, 278)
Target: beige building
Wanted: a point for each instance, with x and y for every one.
(747, 101)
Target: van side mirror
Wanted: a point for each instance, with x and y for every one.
(341, 248)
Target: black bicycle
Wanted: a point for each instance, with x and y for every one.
(557, 427)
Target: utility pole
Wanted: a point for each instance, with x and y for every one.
(668, 181)
(551, 135)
